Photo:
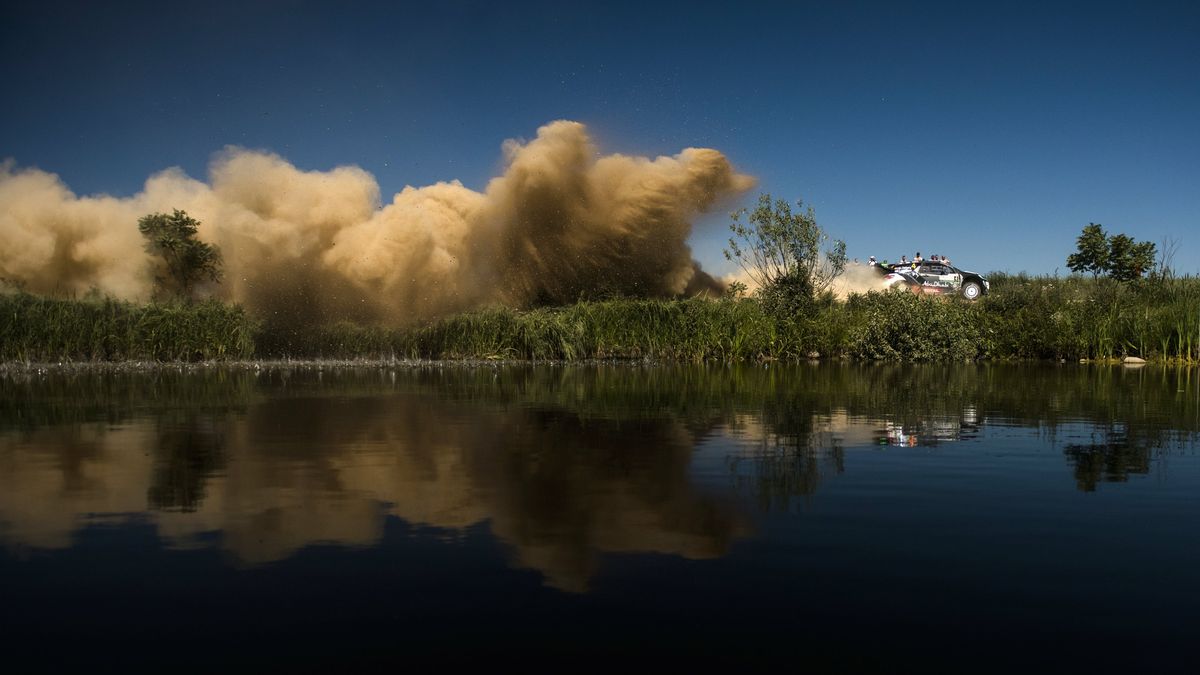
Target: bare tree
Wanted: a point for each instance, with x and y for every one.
(1166, 257)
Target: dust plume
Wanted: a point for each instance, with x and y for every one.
(856, 278)
(560, 222)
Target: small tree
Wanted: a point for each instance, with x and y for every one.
(1119, 256)
(780, 248)
(184, 261)
(1129, 259)
(1092, 251)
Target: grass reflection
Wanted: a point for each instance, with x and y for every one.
(564, 464)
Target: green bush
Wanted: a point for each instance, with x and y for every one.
(897, 325)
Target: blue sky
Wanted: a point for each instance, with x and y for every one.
(992, 132)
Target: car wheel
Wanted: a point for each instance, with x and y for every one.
(971, 290)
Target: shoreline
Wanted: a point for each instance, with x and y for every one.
(1041, 320)
(136, 366)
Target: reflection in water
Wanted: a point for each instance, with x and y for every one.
(54, 480)
(187, 452)
(1110, 462)
(309, 465)
(931, 431)
(563, 464)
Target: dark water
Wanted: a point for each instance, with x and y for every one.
(814, 518)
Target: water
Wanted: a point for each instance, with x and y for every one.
(965, 518)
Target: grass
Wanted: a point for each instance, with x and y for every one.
(35, 328)
(1077, 317)
(685, 330)
(1023, 318)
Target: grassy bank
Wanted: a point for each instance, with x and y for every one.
(102, 329)
(1074, 317)
(1023, 318)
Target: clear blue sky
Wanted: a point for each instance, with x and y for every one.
(993, 132)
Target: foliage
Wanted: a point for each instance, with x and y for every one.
(1021, 318)
(897, 325)
(788, 296)
(735, 289)
(1091, 253)
(776, 245)
(184, 261)
(684, 330)
(102, 329)
(1075, 317)
(1129, 259)
(1119, 256)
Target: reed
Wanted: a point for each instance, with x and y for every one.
(1023, 318)
(1077, 317)
(36, 328)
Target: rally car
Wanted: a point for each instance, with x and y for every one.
(934, 277)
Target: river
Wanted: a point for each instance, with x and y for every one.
(825, 516)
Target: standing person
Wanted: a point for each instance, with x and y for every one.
(917, 257)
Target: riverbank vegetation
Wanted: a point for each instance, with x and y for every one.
(1023, 317)
(34, 328)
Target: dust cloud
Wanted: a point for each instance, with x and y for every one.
(560, 222)
(855, 279)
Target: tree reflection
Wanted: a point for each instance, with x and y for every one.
(187, 453)
(774, 479)
(564, 464)
(1106, 462)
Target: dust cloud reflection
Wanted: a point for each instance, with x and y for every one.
(306, 465)
(561, 464)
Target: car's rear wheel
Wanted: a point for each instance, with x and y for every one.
(971, 290)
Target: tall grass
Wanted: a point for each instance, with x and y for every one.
(1077, 317)
(1023, 318)
(34, 328)
(880, 326)
(684, 330)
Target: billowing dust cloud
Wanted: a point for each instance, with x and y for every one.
(858, 278)
(855, 279)
(560, 223)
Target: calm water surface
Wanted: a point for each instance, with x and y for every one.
(965, 518)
